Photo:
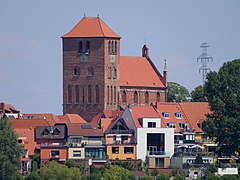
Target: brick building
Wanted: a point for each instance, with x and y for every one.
(97, 78)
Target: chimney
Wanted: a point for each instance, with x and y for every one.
(165, 73)
(145, 51)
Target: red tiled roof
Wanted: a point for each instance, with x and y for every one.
(137, 71)
(106, 123)
(195, 112)
(50, 118)
(29, 142)
(71, 118)
(171, 108)
(75, 129)
(91, 27)
(143, 112)
(28, 123)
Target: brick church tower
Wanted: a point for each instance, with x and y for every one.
(91, 63)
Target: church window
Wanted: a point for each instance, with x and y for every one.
(108, 94)
(80, 47)
(89, 94)
(76, 71)
(146, 98)
(115, 48)
(115, 73)
(90, 71)
(87, 47)
(135, 97)
(77, 93)
(110, 71)
(109, 47)
(83, 95)
(158, 97)
(97, 93)
(69, 94)
(111, 94)
(115, 94)
(124, 97)
(112, 47)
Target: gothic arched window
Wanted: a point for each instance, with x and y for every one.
(87, 47)
(89, 94)
(115, 94)
(77, 93)
(109, 47)
(135, 97)
(97, 93)
(108, 94)
(158, 97)
(69, 94)
(124, 97)
(83, 98)
(111, 94)
(146, 98)
(80, 47)
(115, 47)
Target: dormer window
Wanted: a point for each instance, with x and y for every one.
(56, 131)
(166, 115)
(45, 132)
(171, 125)
(151, 124)
(178, 115)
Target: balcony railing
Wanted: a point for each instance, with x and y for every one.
(187, 154)
(125, 142)
(121, 132)
(187, 130)
(158, 153)
(53, 145)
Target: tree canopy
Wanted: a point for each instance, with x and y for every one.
(177, 93)
(53, 170)
(116, 173)
(10, 151)
(198, 95)
(223, 93)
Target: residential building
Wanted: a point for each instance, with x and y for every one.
(52, 140)
(155, 143)
(97, 78)
(120, 141)
(86, 142)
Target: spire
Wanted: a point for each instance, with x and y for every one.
(145, 51)
(165, 65)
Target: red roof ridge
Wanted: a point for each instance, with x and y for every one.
(100, 26)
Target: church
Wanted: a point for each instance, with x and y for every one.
(97, 78)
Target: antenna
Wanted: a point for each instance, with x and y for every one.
(145, 39)
(204, 58)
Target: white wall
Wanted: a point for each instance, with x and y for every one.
(156, 120)
(142, 140)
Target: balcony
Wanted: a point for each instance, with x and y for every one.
(158, 154)
(120, 142)
(121, 132)
(186, 131)
(53, 145)
(191, 154)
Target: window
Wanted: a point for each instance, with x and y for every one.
(89, 94)
(77, 93)
(87, 47)
(111, 94)
(90, 71)
(97, 93)
(83, 95)
(115, 73)
(55, 153)
(109, 47)
(80, 47)
(128, 150)
(115, 47)
(115, 94)
(76, 71)
(178, 115)
(124, 97)
(158, 97)
(146, 98)
(151, 124)
(171, 125)
(135, 97)
(109, 72)
(76, 153)
(69, 94)
(159, 163)
(166, 115)
(115, 150)
(112, 47)
(108, 93)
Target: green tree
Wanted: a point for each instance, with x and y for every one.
(198, 159)
(223, 93)
(32, 176)
(213, 177)
(55, 171)
(177, 93)
(10, 151)
(116, 173)
(198, 95)
(162, 177)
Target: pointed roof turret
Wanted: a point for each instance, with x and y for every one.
(91, 27)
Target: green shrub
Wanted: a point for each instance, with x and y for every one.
(154, 172)
(145, 178)
(162, 177)
(230, 177)
(32, 176)
(178, 177)
(213, 177)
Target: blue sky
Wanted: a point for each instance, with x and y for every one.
(31, 47)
